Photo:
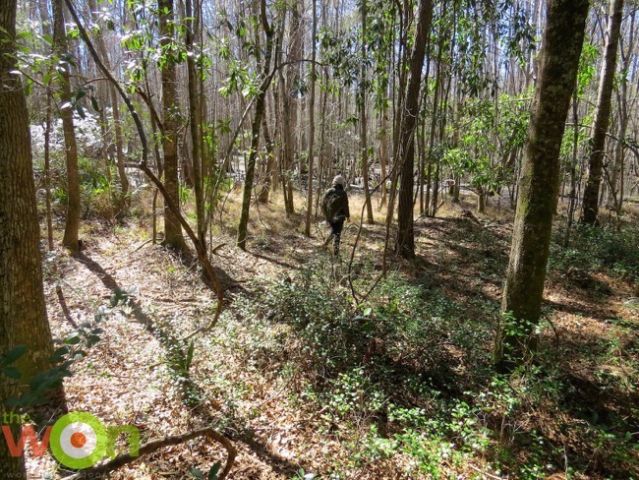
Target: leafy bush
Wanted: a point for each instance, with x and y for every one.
(402, 325)
(600, 249)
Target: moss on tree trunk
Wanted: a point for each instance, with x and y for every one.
(539, 180)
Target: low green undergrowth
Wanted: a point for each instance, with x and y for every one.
(404, 379)
(594, 249)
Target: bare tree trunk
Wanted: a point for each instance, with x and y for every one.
(572, 204)
(291, 104)
(383, 153)
(590, 207)
(269, 169)
(23, 317)
(405, 245)
(618, 171)
(322, 147)
(124, 200)
(194, 122)
(260, 105)
(311, 126)
(61, 48)
(172, 229)
(363, 119)
(539, 180)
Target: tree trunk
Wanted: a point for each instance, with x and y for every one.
(269, 168)
(194, 123)
(311, 126)
(172, 229)
(618, 171)
(61, 48)
(123, 200)
(590, 207)
(363, 120)
(539, 180)
(23, 317)
(572, 202)
(383, 152)
(405, 245)
(260, 105)
(481, 200)
(291, 104)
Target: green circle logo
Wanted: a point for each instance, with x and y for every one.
(79, 440)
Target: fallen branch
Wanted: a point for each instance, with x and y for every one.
(154, 446)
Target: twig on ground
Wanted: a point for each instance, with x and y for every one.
(143, 244)
(155, 445)
(489, 475)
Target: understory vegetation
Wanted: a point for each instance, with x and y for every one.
(319, 240)
(403, 381)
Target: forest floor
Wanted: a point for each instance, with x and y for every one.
(309, 383)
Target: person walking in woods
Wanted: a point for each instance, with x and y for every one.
(335, 208)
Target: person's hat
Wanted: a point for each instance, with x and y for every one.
(339, 180)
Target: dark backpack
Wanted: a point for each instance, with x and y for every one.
(335, 201)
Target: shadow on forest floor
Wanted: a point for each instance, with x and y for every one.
(191, 391)
(424, 340)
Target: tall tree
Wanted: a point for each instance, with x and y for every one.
(23, 317)
(539, 180)
(260, 106)
(61, 48)
(172, 229)
(194, 121)
(123, 200)
(290, 103)
(617, 177)
(311, 123)
(363, 121)
(590, 207)
(405, 245)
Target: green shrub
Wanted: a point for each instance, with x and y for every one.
(599, 249)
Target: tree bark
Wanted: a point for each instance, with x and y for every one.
(23, 317)
(260, 105)
(291, 104)
(405, 244)
(617, 180)
(61, 48)
(539, 181)
(590, 207)
(123, 200)
(311, 125)
(363, 138)
(194, 123)
(172, 230)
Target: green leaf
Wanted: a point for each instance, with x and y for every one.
(197, 473)
(72, 340)
(12, 372)
(59, 354)
(214, 471)
(95, 104)
(13, 354)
